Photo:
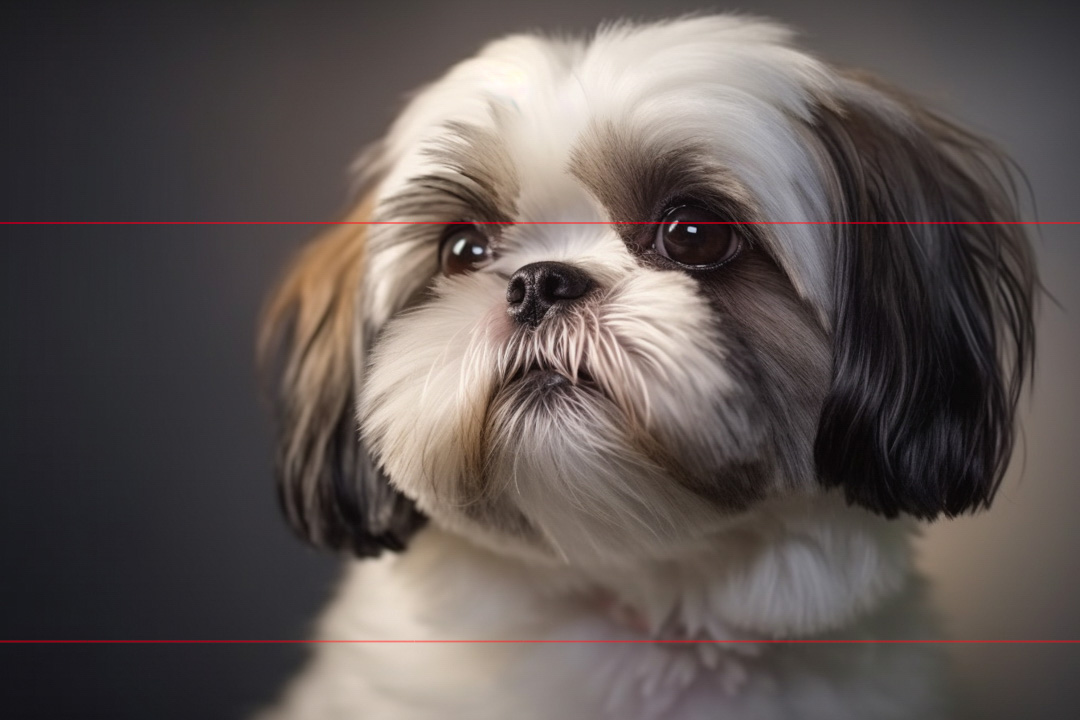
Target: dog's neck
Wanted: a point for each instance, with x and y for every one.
(796, 568)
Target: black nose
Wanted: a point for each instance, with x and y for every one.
(536, 288)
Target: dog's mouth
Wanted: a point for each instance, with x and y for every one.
(545, 376)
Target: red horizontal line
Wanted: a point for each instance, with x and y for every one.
(536, 222)
(540, 641)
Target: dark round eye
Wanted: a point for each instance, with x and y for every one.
(690, 236)
(464, 248)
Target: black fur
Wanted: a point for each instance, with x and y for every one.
(933, 327)
(337, 499)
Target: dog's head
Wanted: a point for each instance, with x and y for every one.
(618, 292)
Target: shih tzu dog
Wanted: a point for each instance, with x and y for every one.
(670, 335)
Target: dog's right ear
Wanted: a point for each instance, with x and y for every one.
(330, 490)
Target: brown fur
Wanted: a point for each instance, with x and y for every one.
(307, 342)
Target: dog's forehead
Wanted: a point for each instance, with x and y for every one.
(543, 94)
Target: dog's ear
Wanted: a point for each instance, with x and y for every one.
(932, 328)
(309, 349)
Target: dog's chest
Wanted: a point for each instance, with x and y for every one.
(527, 655)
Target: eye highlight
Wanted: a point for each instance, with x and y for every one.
(695, 237)
(463, 248)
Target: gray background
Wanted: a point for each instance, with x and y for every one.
(135, 492)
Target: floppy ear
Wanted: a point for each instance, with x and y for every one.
(328, 487)
(933, 327)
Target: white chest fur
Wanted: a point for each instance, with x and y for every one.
(843, 576)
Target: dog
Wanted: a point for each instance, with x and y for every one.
(673, 336)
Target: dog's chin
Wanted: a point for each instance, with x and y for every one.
(570, 473)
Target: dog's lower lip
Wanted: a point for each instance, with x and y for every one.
(546, 378)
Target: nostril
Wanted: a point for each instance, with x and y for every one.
(515, 291)
(566, 284)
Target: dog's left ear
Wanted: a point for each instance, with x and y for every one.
(933, 322)
(309, 349)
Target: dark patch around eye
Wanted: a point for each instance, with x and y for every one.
(635, 180)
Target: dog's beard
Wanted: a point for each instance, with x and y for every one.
(594, 436)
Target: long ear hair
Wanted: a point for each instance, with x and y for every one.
(933, 326)
(329, 489)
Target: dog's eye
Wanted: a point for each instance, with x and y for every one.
(691, 236)
(464, 248)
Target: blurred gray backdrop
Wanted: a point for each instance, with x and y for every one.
(135, 482)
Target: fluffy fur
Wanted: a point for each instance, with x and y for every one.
(726, 452)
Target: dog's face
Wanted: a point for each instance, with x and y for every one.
(606, 307)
